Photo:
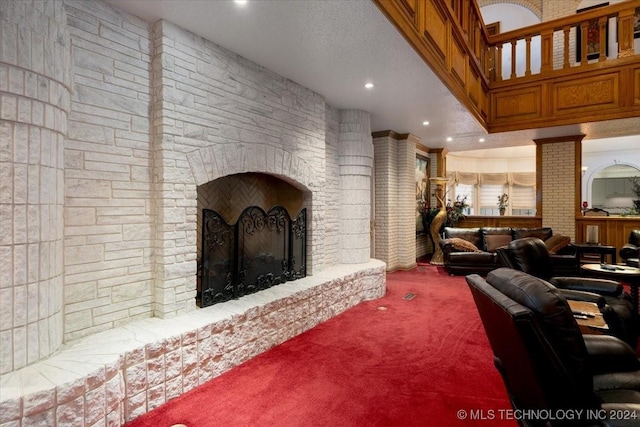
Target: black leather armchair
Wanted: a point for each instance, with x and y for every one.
(547, 365)
(630, 252)
(531, 256)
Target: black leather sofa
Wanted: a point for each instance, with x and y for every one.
(462, 260)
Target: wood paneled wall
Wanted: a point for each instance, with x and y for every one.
(449, 36)
(578, 96)
(613, 230)
(501, 221)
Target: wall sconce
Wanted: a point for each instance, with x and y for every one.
(584, 169)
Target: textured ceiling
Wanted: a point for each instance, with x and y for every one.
(333, 48)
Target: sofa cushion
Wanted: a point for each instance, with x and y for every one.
(463, 245)
(472, 235)
(496, 241)
(557, 242)
(495, 237)
(474, 259)
(542, 233)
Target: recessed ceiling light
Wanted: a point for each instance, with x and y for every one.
(368, 85)
(449, 139)
(241, 2)
(481, 140)
(425, 123)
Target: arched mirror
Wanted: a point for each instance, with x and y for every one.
(612, 190)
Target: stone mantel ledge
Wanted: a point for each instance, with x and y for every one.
(117, 375)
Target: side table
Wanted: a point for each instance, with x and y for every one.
(593, 248)
(630, 275)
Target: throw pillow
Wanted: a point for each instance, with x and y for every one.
(557, 242)
(463, 245)
(495, 241)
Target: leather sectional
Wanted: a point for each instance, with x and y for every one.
(463, 259)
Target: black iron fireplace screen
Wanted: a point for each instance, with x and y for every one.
(262, 249)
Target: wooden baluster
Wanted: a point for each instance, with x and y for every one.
(498, 62)
(565, 62)
(546, 54)
(513, 59)
(625, 33)
(489, 63)
(584, 26)
(602, 34)
(527, 71)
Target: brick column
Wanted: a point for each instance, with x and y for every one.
(355, 151)
(395, 199)
(406, 205)
(386, 197)
(34, 103)
(558, 181)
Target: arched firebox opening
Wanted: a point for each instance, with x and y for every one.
(251, 236)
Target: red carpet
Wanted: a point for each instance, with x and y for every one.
(389, 362)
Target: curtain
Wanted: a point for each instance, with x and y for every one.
(466, 178)
(493, 178)
(526, 179)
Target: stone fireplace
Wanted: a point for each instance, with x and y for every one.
(114, 157)
(252, 236)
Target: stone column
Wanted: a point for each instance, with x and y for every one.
(34, 103)
(355, 151)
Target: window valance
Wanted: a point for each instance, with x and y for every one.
(526, 179)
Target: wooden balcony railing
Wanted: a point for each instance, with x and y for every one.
(531, 77)
(565, 39)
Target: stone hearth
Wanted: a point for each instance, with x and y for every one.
(117, 375)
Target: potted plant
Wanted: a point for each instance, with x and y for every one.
(455, 210)
(503, 202)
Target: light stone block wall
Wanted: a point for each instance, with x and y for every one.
(559, 187)
(216, 113)
(355, 155)
(99, 221)
(34, 104)
(108, 203)
(332, 188)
